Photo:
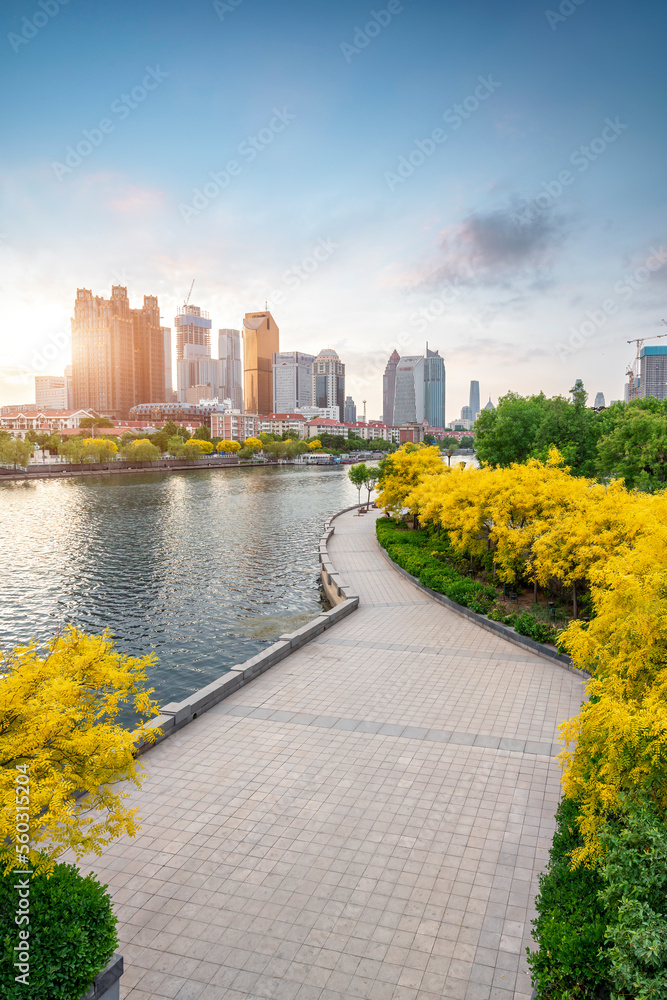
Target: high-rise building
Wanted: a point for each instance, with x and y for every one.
(474, 399)
(117, 353)
(466, 413)
(292, 381)
(261, 340)
(489, 405)
(229, 352)
(329, 381)
(198, 369)
(434, 389)
(169, 396)
(193, 326)
(599, 401)
(652, 373)
(50, 392)
(409, 392)
(69, 388)
(149, 362)
(389, 389)
(350, 410)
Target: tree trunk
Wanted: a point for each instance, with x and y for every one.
(535, 591)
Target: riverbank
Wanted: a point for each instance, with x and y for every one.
(365, 819)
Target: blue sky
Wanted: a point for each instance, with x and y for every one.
(335, 199)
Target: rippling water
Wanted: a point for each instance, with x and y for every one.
(203, 568)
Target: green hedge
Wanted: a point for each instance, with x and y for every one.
(72, 935)
(571, 923)
(434, 564)
(602, 933)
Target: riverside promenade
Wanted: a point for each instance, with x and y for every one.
(366, 819)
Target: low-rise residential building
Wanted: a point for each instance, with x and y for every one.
(232, 425)
(282, 423)
(322, 425)
(17, 423)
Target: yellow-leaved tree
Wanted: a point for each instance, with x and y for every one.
(403, 471)
(59, 736)
(228, 447)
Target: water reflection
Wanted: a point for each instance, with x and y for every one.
(204, 568)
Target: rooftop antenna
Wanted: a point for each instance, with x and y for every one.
(189, 293)
(364, 402)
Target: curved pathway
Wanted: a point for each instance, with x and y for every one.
(367, 819)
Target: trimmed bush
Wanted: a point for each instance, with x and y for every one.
(72, 935)
(635, 897)
(436, 568)
(572, 962)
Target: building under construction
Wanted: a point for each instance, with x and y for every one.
(647, 375)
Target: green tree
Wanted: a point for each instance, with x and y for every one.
(14, 451)
(202, 433)
(635, 445)
(358, 475)
(507, 434)
(140, 450)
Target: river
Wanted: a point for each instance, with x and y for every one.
(203, 568)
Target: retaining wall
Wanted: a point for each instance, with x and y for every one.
(178, 714)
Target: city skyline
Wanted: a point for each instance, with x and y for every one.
(512, 240)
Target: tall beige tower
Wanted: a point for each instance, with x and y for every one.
(260, 343)
(117, 353)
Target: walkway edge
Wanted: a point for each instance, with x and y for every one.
(503, 630)
(176, 715)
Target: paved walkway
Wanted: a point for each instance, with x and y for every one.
(364, 820)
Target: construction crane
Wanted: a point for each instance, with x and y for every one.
(189, 293)
(633, 369)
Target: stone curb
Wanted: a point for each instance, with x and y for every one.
(106, 984)
(175, 715)
(498, 627)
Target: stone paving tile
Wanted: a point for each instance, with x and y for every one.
(367, 819)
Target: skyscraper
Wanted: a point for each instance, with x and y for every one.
(474, 399)
(192, 327)
(389, 389)
(434, 389)
(198, 368)
(409, 394)
(261, 340)
(329, 381)
(149, 362)
(652, 373)
(229, 351)
(117, 353)
(350, 410)
(168, 371)
(292, 381)
(466, 413)
(599, 400)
